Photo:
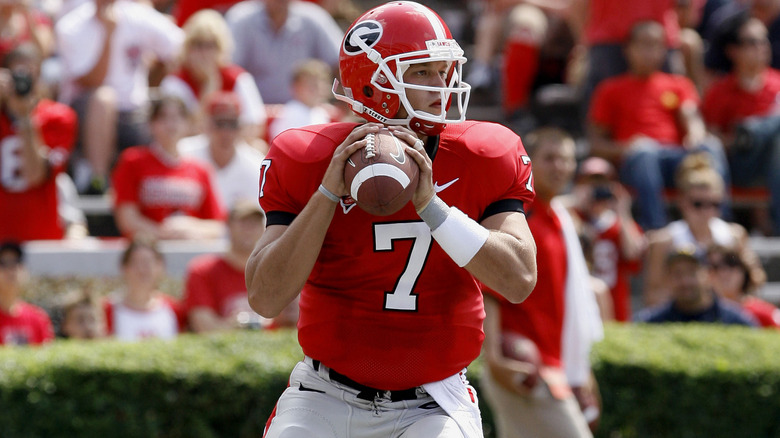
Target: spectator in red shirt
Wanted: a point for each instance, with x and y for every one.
(646, 121)
(742, 108)
(535, 396)
(730, 278)
(21, 323)
(215, 295)
(36, 138)
(158, 192)
(616, 244)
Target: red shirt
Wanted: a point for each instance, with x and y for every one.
(161, 186)
(27, 324)
(765, 313)
(609, 264)
(212, 282)
(228, 73)
(726, 103)
(35, 208)
(628, 105)
(384, 304)
(610, 21)
(540, 316)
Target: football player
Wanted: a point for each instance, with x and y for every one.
(391, 307)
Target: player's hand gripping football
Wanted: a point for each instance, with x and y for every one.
(416, 150)
(333, 180)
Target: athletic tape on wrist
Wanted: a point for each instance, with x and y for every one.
(328, 194)
(460, 236)
(435, 213)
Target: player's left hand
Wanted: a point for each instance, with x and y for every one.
(416, 149)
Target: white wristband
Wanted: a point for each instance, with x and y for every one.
(328, 194)
(460, 236)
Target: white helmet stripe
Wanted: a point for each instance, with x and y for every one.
(433, 19)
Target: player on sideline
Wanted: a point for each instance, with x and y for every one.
(390, 307)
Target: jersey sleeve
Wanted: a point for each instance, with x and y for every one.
(291, 172)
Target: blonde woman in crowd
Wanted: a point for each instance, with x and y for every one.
(701, 193)
(205, 68)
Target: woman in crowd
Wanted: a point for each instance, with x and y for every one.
(701, 192)
(139, 310)
(205, 68)
(731, 280)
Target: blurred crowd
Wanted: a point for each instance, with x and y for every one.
(647, 122)
(166, 109)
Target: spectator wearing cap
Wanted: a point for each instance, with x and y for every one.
(215, 293)
(206, 68)
(21, 323)
(162, 194)
(692, 297)
(311, 82)
(613, 242)
(236, 164)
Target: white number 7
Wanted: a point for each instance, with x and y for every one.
(401, 298)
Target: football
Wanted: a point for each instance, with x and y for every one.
(381, 177)
(518, 347)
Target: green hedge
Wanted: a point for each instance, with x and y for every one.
(692, 381)
(656, 381)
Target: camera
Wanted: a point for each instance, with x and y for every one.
(23, 82)
(602, 193)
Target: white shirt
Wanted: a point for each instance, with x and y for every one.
(140, 31)
(295, 114)
(239, 179)
(134, 325)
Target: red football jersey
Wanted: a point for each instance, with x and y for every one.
(540, 316)
(609, 264)
(212, 282)
(34, 208)
(628, 105)
(726, 103)
(26, 325)
(162, 187)
(384, 304)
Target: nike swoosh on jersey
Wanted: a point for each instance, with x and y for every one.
(437, 188)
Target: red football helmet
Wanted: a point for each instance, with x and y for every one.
(380, 46)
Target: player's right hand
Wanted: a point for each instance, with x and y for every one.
(334, 175)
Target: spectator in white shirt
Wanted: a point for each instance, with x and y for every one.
(235, 162)
(105, 47)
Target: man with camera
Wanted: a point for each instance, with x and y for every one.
(36, 137)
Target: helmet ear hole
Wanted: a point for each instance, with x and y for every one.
(368, 91)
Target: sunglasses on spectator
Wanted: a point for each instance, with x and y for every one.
(9, 263)
(729, 261)
(701, 204)
(225, 123)
(753, 42)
